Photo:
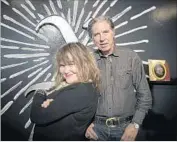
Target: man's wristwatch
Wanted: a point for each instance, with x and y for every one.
(137, 126)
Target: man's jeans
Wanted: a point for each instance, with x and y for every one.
(106, 133)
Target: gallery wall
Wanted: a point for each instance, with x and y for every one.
(27, 54)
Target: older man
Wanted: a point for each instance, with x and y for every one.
(125, 95)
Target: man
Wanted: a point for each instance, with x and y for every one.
(125, 95)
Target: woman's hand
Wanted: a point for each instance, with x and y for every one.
(90, 134)
(46, 103)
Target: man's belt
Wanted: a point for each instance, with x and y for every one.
(112, 121)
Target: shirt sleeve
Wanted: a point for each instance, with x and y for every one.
(143, 94)
(66, 102)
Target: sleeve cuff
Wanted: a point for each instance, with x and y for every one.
(40, 95)
(139, 117)
(40, 91)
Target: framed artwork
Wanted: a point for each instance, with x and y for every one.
(158, 70)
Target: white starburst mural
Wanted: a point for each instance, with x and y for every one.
(31, 32)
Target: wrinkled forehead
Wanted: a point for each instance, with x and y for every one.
(101, 26)
(101, 22)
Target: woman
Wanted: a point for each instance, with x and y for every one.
(65, 112)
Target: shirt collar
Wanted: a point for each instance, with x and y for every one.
(115, 53)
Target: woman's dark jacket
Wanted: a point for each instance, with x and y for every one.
(68, 116)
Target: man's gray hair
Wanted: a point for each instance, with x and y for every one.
(98, 19)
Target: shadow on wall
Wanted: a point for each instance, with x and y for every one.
(10, 133)
(157, 128)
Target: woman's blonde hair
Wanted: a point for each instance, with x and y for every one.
(84, 61)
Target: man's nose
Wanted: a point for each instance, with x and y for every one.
(102, 37)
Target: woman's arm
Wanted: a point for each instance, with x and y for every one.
(66, 102)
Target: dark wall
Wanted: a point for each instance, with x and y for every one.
(27, 58)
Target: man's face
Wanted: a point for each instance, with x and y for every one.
(103, 36)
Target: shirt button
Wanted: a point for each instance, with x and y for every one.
(112, 78)
(110, 59)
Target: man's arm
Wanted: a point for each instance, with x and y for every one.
(143, 94)
(144, 99)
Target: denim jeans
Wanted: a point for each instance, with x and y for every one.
(106, 133)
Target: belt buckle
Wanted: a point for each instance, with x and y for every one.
(110, 120)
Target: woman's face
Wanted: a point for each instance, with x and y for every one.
(69, 71)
